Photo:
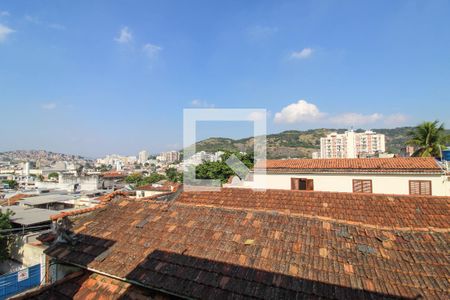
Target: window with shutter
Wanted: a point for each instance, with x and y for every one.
(302, 184)
(362, 186)
(420, 187)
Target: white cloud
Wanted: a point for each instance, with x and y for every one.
(302, 111)
(261, 32)
(201, 103)
(49, 106)
(355, 119)
(302, 54)
(125, 36)
(57, 26)
(37, 21)
(151, 50)
(396, 119)
(32, 19)
(4, 13)
(5, 31)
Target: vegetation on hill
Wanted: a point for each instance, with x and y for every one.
(299, 144)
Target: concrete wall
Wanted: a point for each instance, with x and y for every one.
(383, 184)
(67, 182)
(23, 249)
(142, 194)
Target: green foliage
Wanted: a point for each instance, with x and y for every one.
(11, 183)
(138, 180)
(4, 224)
(219, 169)
(104, 168)
(53, 175)
(173, 175)
(430, 138)
(133, 178)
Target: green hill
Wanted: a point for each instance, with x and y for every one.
(298, 144)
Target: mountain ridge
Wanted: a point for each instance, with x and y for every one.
(299, 143)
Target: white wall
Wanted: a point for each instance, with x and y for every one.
(381, 184)
(142, 194)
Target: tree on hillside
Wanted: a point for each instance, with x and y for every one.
(53, 175)
(133, 178)
(138, 180)
(173, 175)
(219, 169)
(4, 224)
(11, 183)
(429, 138)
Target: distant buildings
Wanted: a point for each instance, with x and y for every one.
(112, 160)
(169, 157)
(143, 157)
(407, 151)
(352, 144)
(201, 157)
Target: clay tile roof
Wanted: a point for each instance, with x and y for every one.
(166, 187)
(113, 195)
(105, 199)
(113, 174)
(279, 244)
(88, 285)
(14, 199)
(376, 165)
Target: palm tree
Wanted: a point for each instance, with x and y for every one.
(429, 137)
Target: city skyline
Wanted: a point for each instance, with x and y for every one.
(82, 77)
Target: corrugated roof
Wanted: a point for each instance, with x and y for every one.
(37, 200)
(29, 215)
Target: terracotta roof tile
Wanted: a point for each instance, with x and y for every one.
(113, 174)
(88, 285)
(197, 246)
(166, 187)
(368, 209)
(14, 199)
(397, 164)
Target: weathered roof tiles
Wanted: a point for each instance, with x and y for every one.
(218, 248)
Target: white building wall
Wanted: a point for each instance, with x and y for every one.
(143, 194)
(381, 184)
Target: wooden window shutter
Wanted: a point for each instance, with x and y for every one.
(309, 184)
(414, 187)
(357, 186)
(362, 186)
(425, 187)
(295, 183)
(420, 187)
(366, 186)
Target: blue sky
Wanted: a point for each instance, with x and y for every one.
(98, 77)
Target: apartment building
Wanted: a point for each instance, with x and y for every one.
(143, 156)
(169, 157)
(352, 144)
